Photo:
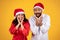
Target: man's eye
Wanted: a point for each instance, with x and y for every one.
(38, 9)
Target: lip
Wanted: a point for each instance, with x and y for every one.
(38, 15)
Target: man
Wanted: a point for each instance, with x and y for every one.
(39, 23)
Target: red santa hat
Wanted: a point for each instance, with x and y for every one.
(18, 11)
(39, 5)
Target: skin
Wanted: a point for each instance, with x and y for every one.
(38, 16)
(20, 18)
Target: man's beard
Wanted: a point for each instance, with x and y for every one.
(37, 14)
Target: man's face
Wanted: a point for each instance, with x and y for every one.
(37, 12)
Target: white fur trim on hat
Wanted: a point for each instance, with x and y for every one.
(19, 13)
(38, 7)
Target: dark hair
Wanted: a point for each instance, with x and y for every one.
(15, 21)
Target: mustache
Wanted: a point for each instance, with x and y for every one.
(38, 14)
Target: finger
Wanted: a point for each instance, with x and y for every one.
(41, 18)
(35, 17)
(21, 20)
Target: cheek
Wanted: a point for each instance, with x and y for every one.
(18, 17)
(22, 17)
(40, 11)
(35, 11)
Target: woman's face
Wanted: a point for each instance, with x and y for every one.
(20, 17)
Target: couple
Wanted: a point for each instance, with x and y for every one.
(39, 24)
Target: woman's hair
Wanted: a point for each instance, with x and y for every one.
(15, 21)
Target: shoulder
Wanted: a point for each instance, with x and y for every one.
(31, 18)
(27, 22)
(46, 16)
(12, 24)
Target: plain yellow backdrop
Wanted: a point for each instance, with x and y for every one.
(52, 8)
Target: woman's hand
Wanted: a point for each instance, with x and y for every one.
(22, 24)
(19, 23)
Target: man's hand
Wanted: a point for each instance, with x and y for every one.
(39, 21)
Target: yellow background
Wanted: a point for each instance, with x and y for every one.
(52, 8)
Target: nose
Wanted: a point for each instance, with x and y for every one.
(38, 11)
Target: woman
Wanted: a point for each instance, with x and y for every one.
(20, 25)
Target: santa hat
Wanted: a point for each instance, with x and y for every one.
(39, 5)
(18, 11)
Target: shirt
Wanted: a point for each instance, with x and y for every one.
(19, 34)
(40, 33)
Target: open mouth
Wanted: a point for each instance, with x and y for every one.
(38, 15)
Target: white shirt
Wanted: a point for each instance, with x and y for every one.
(41, 34)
